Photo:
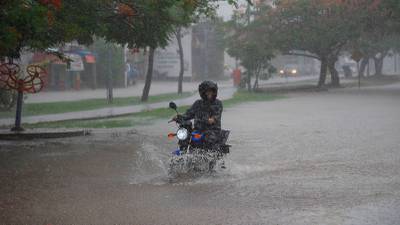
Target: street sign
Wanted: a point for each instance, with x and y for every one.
(76, 63)
(356, 55)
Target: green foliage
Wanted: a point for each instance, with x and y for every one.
(153, 21)
(38, 25)
(381, 30)
(22, 24)
(150, 26)
(7, 99)
(78, 20)
(245, 42)
(316, 27)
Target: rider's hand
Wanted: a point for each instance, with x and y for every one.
(211, 120)
(177, 117)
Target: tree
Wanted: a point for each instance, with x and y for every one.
(110, 65)
(7, 98)
(40, 24)
(245, 43)
(25, 24)
(179, 35)
(377, 47)
(187, 13)
(149, 24)
(321, 28)
(184, 16)
(380, 34)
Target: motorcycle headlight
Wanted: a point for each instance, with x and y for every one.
(182, 134)
(281, 71)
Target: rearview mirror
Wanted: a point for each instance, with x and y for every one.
(173, 106)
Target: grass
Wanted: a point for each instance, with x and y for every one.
(34, 109)
(146, 117)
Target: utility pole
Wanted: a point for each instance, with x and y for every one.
(248, 23)
(359, 75)
(109, 77)
(125, 52)
(206, 49)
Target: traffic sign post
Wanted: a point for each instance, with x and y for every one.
(357, 56)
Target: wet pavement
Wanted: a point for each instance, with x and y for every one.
(312, 158)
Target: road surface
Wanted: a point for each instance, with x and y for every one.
(312, 158)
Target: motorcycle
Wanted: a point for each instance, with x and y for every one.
(193, 154)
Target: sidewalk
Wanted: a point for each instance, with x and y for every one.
(223, 94)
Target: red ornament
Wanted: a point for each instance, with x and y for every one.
(6, 71)
(55, 3)
(32, 82)
(12, 79)
(125, 10)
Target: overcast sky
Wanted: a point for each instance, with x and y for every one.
(225, 10)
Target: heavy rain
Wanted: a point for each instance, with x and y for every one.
(276, 112)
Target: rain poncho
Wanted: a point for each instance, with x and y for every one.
(203, 109)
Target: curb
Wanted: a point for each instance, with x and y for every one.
(41, 134)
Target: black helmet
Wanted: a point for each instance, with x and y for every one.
(208, 85)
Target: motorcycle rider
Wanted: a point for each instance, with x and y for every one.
(207, 113)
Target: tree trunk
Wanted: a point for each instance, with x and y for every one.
(149, 75)
(110, 92)
(255, 86)
(180, 51)
(322, 74)
(335, 80)
(378, 65)
(257, 78)
(363, 66)
(20, 99)
(249, 81)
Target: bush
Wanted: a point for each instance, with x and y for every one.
(102, 50)
(7, 99)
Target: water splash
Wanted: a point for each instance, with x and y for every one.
(150, 165)
(192, 165)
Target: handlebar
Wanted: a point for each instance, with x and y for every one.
(178, 117)
(180, 120)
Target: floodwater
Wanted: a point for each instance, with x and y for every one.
(312, 158)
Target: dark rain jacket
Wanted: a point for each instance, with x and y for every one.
(203, 109)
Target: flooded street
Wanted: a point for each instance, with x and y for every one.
(311, 158)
